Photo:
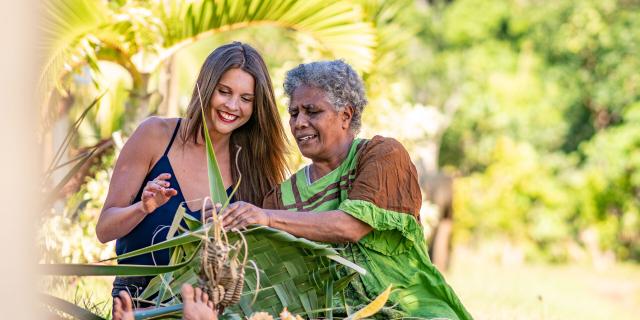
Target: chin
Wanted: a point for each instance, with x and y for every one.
(226, 129)
(307, 152)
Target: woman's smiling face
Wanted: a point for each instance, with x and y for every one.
(232, 101)
(319, 130)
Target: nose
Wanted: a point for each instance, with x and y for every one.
(232, 103)
(301, 121)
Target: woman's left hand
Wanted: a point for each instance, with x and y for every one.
(241, 214)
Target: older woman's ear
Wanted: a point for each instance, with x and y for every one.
(347, 116)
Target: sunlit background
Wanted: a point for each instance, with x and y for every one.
(522, 117)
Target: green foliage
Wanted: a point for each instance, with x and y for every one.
(67, 234)
(612, 198)
(293, 272)
(534, 104)
(517, 196)
(545, 136)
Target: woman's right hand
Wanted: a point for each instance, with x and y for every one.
(156, 193)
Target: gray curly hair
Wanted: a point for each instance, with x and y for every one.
(343, 85)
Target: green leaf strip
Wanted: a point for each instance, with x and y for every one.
(68, 308)
(216, 186)
(158, 313)
(109, 270)
(184, 238)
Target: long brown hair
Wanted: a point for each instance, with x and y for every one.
(262, 161)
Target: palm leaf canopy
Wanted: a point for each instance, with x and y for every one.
(140, 35)
(339, 26)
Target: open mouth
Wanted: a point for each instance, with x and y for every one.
(306, 138)
(226, 117)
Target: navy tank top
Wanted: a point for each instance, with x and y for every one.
(155, 226)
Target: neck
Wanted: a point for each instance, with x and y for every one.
(219, 141)
(322, 167)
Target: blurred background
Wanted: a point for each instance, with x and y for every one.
(522, 117)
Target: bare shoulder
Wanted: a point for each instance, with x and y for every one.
(154, 130)
(151, 137)
(155, 127)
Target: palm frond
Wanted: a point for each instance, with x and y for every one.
(338, 26)
(216, 186)
(293, 272)
(73, 131)
(393, 35)
(66, 28)
(140, 36)
(110, 270)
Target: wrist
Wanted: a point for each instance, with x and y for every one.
(139, 208)
(268, 217)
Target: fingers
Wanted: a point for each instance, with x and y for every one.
(152, 186)
(232, 206)
(230, 212)
(208, 215)
(147, 194)
(239, 215)
(162, 183)
(187, 293)
(159, 183)
(235, 223)
(117, 309)
(239, 224)
(239, 219)
(228, 217)
(198, 295)
(163, 176)
(209, 206)
(170, 192)
(126, 301)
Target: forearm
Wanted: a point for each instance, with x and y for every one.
(330, 226)
(117, 222)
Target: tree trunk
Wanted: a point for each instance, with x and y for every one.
(138, 106)
(438, 189)
(168, 89)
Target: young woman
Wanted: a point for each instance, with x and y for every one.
(163, 164)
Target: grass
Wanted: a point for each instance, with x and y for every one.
(91, 293)
(491, 290)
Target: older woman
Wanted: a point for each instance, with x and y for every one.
(360, 192)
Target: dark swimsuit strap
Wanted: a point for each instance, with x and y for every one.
(175, 132)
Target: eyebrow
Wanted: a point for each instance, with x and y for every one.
(304, 106)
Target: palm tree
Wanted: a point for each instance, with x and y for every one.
(141, 35)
